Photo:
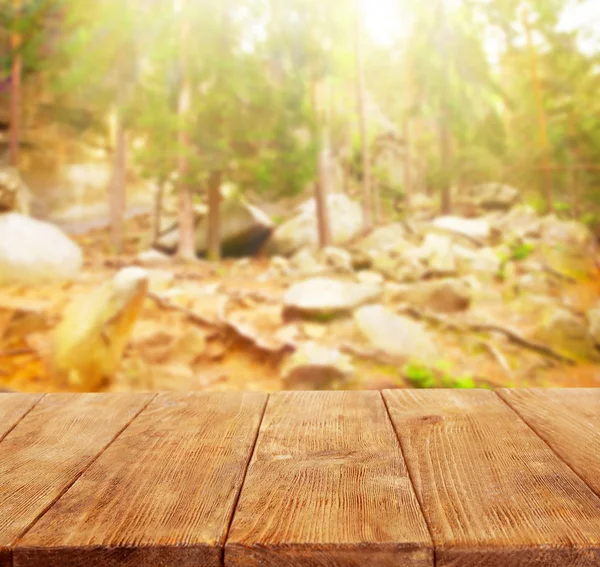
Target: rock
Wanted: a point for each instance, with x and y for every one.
(437, 251)
(34, 252)
(384, 240)
(301, 231)
(281, 266)
(475, 229)
(444, 295)
(369, 278)
(152, 258)
(305, 262)
(491, 196)
(566, 333)
(520, 222)
(244, 230)
(395, 335)
(15, 196)
(324, 297)
(313, 366)
(567, 247)
(88, 344)
(593, 317)
(483, 262)
(337, 258)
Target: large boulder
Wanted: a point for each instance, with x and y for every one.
(520, 222)
(567, 247)
(34, 252)
(301, 231)
(15, 196)
(395, 335)
(593, 317)
(437, 253)
(88, 344)
(244, 230)
(324, 297)
(490, 196)
(473, 229)
(567, 333)
(445, 295)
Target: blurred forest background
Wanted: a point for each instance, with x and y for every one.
(267, 194)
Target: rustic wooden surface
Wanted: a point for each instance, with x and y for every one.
(327, 487)
(13, 407)
(569, 421)
(162, 494)
(459, 479)
(49, 448)
(493, 493)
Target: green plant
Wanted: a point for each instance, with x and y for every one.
(419, 375)
(521, 251)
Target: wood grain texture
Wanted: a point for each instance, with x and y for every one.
(327, 487)
(493, 493)
(43, 455)
(569, 421)
(161, 495)
(13, 407)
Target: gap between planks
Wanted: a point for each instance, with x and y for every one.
(250, 455)
(410, 476)
(25, 413)
(80, 473)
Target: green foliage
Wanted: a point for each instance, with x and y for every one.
(522, 250)
(440, 376)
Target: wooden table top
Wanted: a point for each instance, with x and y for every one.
(402, 478)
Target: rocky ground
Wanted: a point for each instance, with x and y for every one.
(500, 297)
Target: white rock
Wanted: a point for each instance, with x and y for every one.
(33, 252)
(301, 231)
(324, 296)
(313, 366)
(337, 258)
(395, 335)
(473, 228)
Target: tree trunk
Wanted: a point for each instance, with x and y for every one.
(408, 183)
(445, 161)
(186, 250)
(118, 185)
(362, 116)
(321, 192)
(15, 94)
(214, 217)
(158, 201)
(541, 115)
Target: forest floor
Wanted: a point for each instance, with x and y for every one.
(219, 327)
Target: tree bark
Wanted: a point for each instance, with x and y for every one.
(117, 197)
(443, 121)
(186, 250)
(214, 217)
(541, 115)
(15, 94)
(158, 201)
(362, 116)
(408, 183)
(321, 193)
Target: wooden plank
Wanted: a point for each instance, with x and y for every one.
(43, 455)
(327, 487)
(493, 493)
(13, 407)
(569, 421)
(161, 495)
